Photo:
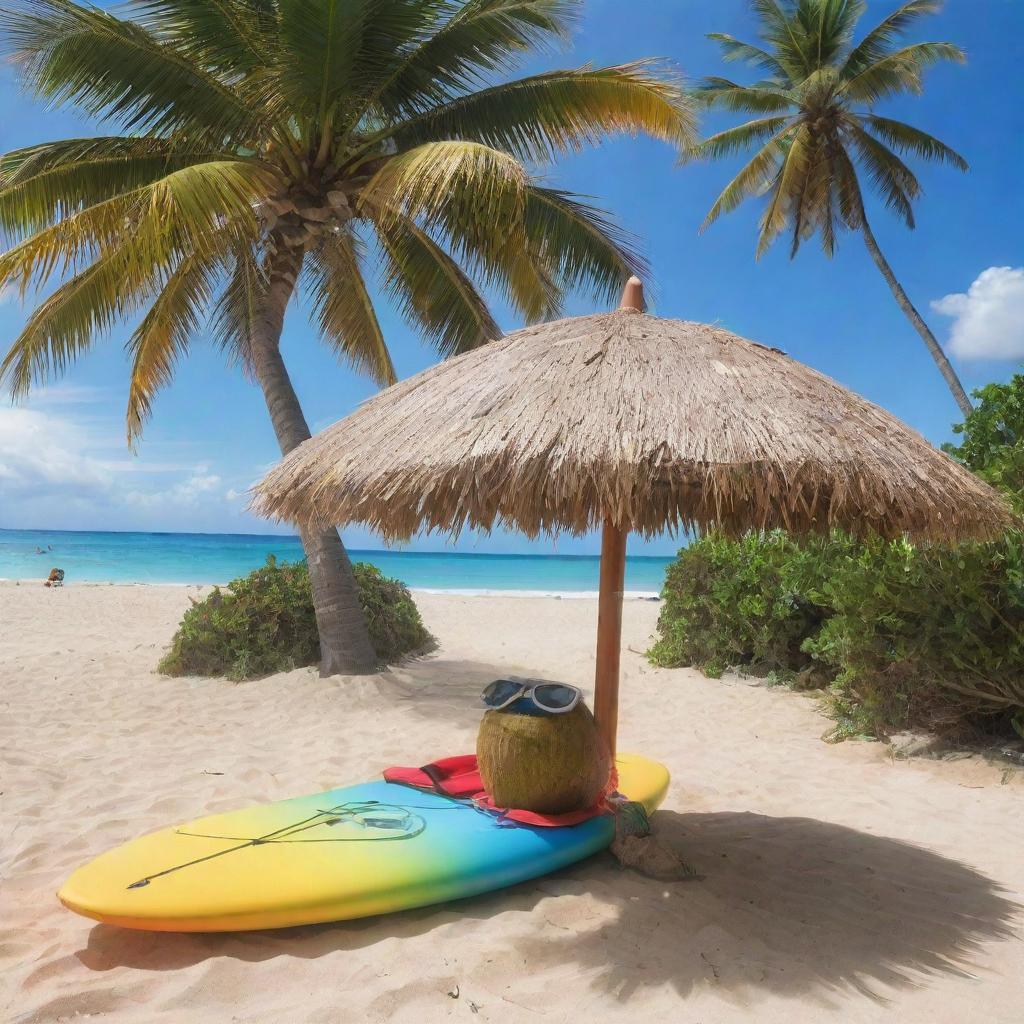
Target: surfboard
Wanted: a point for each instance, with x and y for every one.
(347, 853)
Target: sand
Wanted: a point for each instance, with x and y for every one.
(837, 883)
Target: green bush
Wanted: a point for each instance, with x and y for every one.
(993, 438)
(264, 623)
(925, 636)
(900, 635)
(750, 602)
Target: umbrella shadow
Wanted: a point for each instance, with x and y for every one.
(794, 906)
(789, 906)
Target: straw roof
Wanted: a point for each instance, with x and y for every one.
(650, 423)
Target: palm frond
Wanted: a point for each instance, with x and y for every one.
(759, 99)
(344, 309)
(196, 208)
(785, 187)
(538, 117)
(906, 139)
(900, 72)
(234, 313)
(116, 70)
(849, 196)
(433, 293)
(846, 186)
(828, 26)
(890, 176)
(736, 49)
(879, 41)
(460, 191)
(162, 338)
(65, 325)
(478, 38)
(581, 245)
(812, 205)
(41, 184)
(754, 178)
(526, 281)
(333, 53)
(732, 140)
(452, 181)
(791, 47)
(235, 37)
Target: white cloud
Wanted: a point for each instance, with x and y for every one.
(64, 464)
(39, 451)
(68, 394)
(187, 493)
(51, 462)
(988, 320)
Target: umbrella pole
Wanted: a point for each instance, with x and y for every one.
(609, 631)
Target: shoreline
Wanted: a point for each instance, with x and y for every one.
(569, 595)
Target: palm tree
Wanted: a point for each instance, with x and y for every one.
(266, 144)
(817, 131)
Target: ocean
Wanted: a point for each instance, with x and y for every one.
(98, 557)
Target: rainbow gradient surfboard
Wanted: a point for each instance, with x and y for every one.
(348, 853)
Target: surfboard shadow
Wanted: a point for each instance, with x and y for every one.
(787, 906)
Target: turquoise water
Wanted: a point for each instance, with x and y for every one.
(217, 558)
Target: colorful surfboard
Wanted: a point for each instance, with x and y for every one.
(348, 853)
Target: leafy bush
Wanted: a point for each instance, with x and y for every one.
(993, 438)
(751, 602)
(925, 636)
(901, 635)
(265, 623)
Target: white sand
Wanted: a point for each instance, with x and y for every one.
(838, 884)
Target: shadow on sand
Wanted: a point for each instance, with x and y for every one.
(788, 906)
(449, 689)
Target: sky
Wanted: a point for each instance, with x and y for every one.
(64, 463)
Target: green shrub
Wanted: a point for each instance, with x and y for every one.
(993, 438)
(925, 636)
(901, 635)
(264, 623)
(749, 603)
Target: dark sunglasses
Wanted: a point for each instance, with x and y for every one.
(555, 698)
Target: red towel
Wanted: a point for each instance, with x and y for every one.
(459, 777)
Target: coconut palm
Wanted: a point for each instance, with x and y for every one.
(266, 144)
(817, 131)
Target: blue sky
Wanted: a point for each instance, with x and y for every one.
(63, 461)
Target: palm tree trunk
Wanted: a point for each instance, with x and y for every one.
(345, 645)
(911, 313)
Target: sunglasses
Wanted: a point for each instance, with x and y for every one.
(555, 698)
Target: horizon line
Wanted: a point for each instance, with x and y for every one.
(296, 539)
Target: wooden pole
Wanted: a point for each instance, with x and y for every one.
(609, 601)
(609, 631)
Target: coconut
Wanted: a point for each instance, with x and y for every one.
(550, 764)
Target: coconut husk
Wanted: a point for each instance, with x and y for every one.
(550, 764)
(635, 847)
(653, 858)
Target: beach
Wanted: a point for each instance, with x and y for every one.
(836, 882)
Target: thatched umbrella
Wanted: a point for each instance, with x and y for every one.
(626, 422)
